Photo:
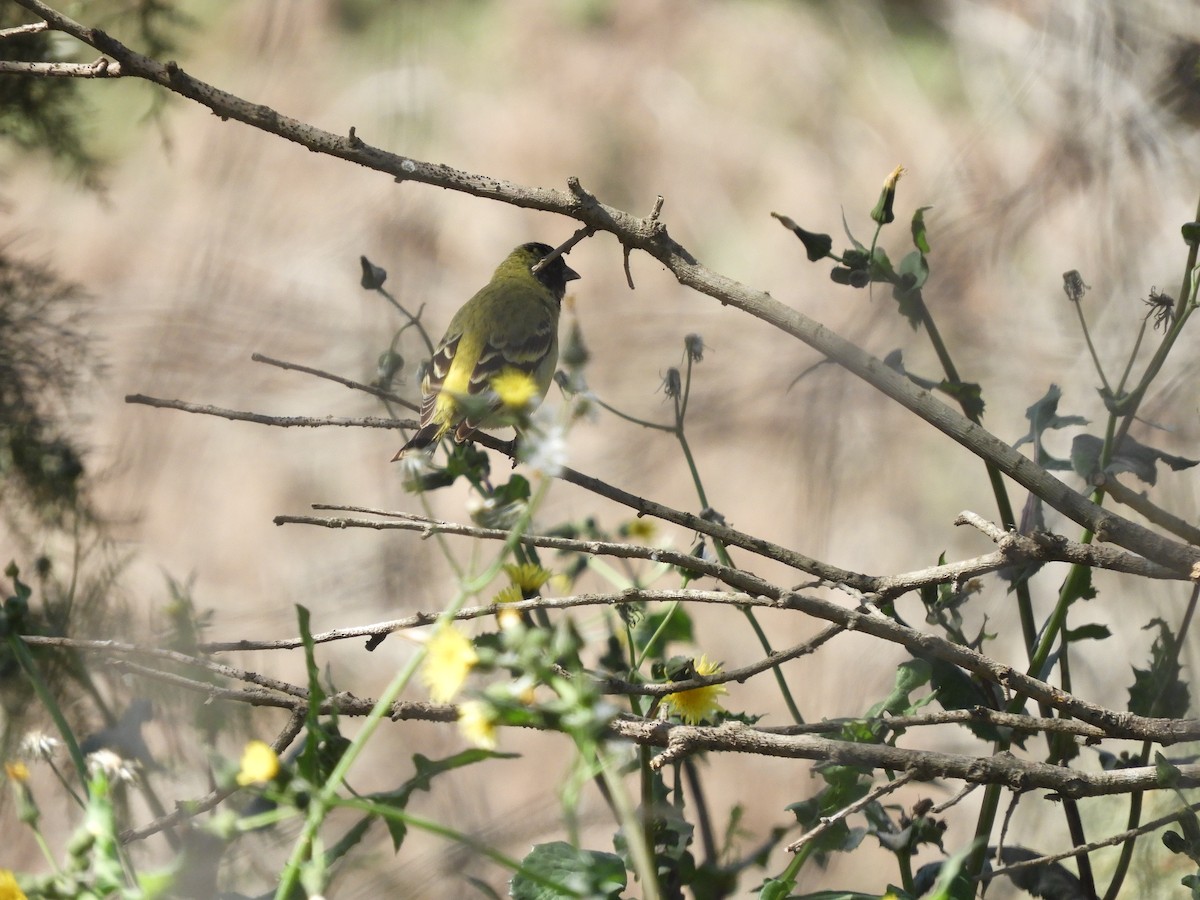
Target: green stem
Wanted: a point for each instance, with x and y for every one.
(720, 549)
(1087, 336)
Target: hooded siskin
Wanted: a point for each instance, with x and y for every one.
(510, 324)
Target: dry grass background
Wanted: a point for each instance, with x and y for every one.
(1037, 132)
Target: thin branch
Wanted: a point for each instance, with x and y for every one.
(420, 619)
(32, 28)
(329, 376)
(1143, 506)
(921, 645)
(871, 796)
(235, 415)
(976, 715)
(101, 68)
(174, 656)
(736, 578)
(1048, 547)
(1003, 769)
(1110, 841)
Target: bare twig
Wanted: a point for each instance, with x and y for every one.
(1003, 769)
(329, 376)
(1047, 547)
(1114, 724)
(235, 415)
(101, 68)
(1109, 841)
(1143, 506)
(32, 28)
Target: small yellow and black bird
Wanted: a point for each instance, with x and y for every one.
(511, 324)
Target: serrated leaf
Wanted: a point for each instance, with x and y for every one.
(910, 675)
(1158, 690)
(1130, 456)
(1043, 416)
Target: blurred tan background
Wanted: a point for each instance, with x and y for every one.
(1045, 137)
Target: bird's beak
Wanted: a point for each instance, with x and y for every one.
(569, 274)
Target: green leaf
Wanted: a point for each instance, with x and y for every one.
(775, 889)
(1166, 773)
(676, 627)
(426, 770)
(1094, 632)
(1130, 456)
(843, 785)
(920, 240)
(910, 675)
(968, 394)
(308, 760)
(557, 870)
(1043, 416)
(1158, 690)
(916, 266)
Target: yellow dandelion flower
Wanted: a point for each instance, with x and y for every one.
(511, 594)
(16, 771)
(698, 704)
(529, 577)
(477, 723)
(507, 617)
(260, 764)
(516, 389)
(9, 889)
(449, 660)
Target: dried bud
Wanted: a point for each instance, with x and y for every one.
(672, 384)
(817, 246)
(1162, 308)
(1073, 286)
(693, 346)
(373, 277)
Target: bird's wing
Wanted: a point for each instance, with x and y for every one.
(523, 352)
